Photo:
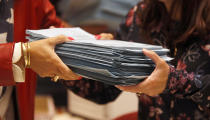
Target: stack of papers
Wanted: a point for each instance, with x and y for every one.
(113, 62)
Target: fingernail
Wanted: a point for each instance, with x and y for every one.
(80, 78)
(98, 37)
(145, 50)
(70, 38)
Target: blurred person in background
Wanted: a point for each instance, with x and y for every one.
(94, 12)
(180, 91)
(17, 81)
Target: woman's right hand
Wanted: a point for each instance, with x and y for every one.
(46, 63)
(155, 83)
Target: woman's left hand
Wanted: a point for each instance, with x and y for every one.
(105, 36)
(156, 82)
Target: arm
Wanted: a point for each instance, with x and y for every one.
(44, 61)
(190, 80)
(93, 90)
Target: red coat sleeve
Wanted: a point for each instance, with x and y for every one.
(6, 73)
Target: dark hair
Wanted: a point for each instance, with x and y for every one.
(195, 19)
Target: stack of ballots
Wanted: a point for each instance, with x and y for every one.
(113, 62)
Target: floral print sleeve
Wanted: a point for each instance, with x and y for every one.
(187, 95)
(191, 78)
(93, 90)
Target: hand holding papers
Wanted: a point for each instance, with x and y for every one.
(156, 82)
(110, 61)
(45, 62)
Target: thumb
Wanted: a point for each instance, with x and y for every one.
(152, 55)
(51, 27)
(59, 39)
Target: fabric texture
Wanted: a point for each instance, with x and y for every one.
(18, 73)
(6, 35)
(187, 96)
(5, 102)
(6, 72)
(28, 14)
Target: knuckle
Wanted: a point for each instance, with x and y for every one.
(71, 78)
(50, 60)
(162, 62)
(153, 53)
(60, 70)
(121, 88)
(63, 77)
(152, 95)
(68, 77)
(63, 70)
(60, 36)
(48, 41)
(42, 75)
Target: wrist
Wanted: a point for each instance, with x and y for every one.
(24, 61)
(26, 54)
(168, 86)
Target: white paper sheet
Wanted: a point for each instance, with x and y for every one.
(117, 43)
(75, 33)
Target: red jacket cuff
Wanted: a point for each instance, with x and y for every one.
(6, 72)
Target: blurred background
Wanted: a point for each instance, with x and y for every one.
(97, 15)
(53, 101)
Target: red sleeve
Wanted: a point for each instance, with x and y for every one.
(6, 73)
(49, 18)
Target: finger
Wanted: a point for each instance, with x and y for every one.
(65, 72)
(106, 36)
(51, 27)
(59, 39)
(111, 36)
(98, 37)
(42, 75)
(152, 55)
(132, 88)
(145, 85)
(52, 75)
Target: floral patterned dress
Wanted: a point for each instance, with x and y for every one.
(187, 95)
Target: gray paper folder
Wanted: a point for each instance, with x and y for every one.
(113, 62)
